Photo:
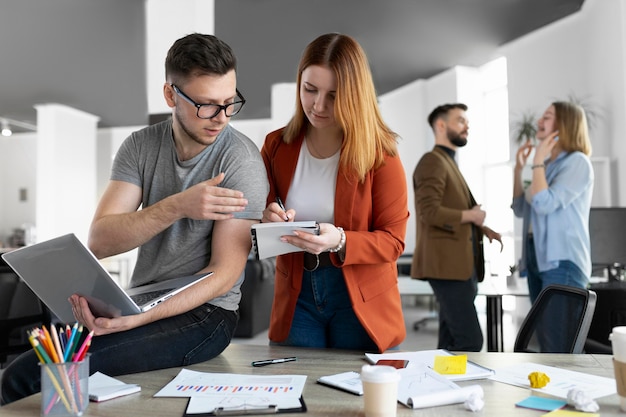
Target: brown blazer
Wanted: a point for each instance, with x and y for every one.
(443, 248)
(373, 214)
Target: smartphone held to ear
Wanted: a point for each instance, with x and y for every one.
(556, 138)
(396, 363)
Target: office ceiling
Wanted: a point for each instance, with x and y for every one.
(89, 54)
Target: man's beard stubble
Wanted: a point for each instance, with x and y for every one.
(456, 139)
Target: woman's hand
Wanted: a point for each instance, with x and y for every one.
(328, 238)
(522, 155)
(274, 213)
(544, 148)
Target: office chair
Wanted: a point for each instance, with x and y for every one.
(572, 308)
(610, 312)
(20, 309)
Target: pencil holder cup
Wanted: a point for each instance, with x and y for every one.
(64, 388)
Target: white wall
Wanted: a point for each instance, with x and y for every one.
(583, 54)
(403, 110)
(65, 171)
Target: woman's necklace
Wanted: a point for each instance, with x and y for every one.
(316, 153)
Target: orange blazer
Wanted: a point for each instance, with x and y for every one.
(374, 215)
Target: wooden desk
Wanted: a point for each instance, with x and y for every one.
(492, 288)
(500, 398)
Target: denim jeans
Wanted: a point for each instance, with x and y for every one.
(567, 273)
(196, 336)
(324, 317)
(555, 331)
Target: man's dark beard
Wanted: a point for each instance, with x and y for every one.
(456, 139)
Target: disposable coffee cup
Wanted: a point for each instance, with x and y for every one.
(618, 343)
(380, 390)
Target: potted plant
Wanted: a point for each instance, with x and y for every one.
(525, 128)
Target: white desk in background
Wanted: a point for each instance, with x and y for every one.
(492, 288)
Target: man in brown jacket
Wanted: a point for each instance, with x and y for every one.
(448, 251)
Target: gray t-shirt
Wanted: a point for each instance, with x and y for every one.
(148, 159)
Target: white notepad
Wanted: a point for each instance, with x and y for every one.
(266, 237)
(347, 381)
(103, 387)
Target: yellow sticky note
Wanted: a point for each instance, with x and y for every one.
(455, 364)
(569, 413)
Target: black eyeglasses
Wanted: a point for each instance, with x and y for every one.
(209, 111)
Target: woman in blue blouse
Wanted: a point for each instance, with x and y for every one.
(555, 205)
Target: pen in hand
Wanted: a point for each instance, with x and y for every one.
(273, 361)
(282, 206)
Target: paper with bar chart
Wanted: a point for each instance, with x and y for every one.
(190, 383)
(214, 393)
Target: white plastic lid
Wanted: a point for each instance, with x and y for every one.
(379, 373)
(619, 331)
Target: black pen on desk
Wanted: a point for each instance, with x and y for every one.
(281, 205)
(273, 361)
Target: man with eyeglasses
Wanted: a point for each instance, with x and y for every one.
(185, 192)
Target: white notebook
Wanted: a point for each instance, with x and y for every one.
(103, 387)
(347, 381)
(266, 237)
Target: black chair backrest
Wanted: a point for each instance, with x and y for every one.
(570, 308)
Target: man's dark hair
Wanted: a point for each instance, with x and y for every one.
(198, 54)
(442, 111)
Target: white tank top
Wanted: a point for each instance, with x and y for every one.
(312, 190)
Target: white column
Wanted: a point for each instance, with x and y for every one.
(66, 174)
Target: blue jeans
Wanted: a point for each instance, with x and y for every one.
(196, 336)
(567, 273)
(554, 333)
(459, 328)
(324, 317)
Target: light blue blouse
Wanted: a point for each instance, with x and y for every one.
(559, 215)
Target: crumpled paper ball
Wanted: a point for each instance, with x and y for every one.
(581, 401)
(538, 379)
(474, 402)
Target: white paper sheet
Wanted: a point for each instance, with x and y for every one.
(421, 387)
(190, 383)
(561, 380)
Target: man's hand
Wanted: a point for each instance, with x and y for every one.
(491, 235)
(207, 201)
(475, 215)
(101, 325)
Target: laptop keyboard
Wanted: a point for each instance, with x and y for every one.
(143, 298)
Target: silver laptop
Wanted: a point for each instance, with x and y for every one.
(60, 267)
